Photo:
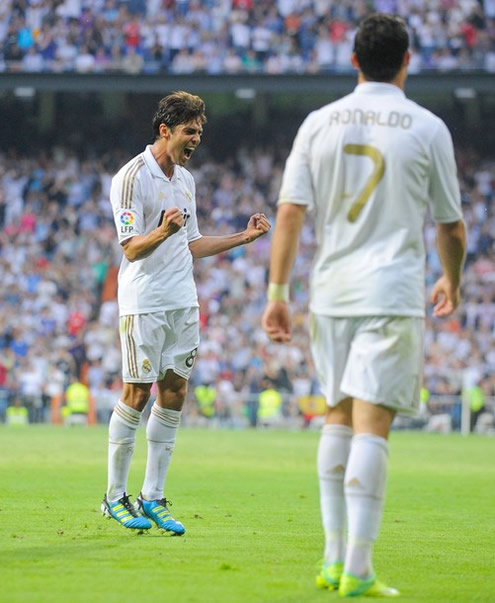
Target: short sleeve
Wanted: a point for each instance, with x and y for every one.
(127, 205)
(444, 193)
(297, 187)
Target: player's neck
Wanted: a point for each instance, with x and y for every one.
(399, 80)
(159, 152)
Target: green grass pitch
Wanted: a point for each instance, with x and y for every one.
(249, 501)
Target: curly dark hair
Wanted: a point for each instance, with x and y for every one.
(380, 46)
(178, 108)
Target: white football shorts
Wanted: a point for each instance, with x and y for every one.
(376, 359)
(156, 342)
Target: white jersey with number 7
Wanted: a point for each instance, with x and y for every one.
(368, 165)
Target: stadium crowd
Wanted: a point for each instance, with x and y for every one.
(232, 36)
(59, 257)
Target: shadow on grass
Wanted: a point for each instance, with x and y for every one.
(88, 547)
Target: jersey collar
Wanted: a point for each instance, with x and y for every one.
(379, 88)
(153, 166)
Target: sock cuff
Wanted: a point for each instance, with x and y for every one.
(343, 431)
(130, 416)
(371, 438)
(166, 416)
(359, 543)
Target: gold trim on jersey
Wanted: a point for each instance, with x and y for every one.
(365, 150)
(128, 183)
(130, 346)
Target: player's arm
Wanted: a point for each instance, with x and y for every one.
(451, 245)
(285, 242)
(446, 209)
(205, 246)
(141, 246)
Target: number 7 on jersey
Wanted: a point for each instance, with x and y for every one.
(365, 150)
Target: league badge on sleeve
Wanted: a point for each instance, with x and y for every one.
(126, 222)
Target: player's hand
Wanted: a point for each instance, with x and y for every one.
(258, 225)
(276, 321)
(445, 297)
(173, 221)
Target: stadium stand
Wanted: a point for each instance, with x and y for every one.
(58, 315)
(232, 36)
(58, 252)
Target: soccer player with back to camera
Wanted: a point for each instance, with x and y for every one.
(154, 206)
(367, 165)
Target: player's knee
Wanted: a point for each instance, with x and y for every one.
(140, 400)
(177, 393)
(136, 395)
(174, 389)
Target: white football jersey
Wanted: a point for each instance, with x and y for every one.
(140, 194)
(368, 165)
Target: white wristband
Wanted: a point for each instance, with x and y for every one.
(278, 292)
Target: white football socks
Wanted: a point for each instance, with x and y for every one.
(160, 433)
(121, 441)
(333, 452)
(365, 481)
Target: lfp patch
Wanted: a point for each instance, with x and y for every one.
(126, 222)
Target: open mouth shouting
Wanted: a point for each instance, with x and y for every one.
(188, 151)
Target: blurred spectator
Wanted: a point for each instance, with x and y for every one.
(475, 397)
(270, 404)
(274, 36)
(58, 314)
(205, 395)
(17, 414)
(77, 400)
(105, 398)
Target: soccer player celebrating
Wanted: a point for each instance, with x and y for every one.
(367, 165)
(154, 206)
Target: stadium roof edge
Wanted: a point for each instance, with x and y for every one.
(336, 83)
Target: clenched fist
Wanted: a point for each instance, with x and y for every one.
(173, 221)
(258, 225)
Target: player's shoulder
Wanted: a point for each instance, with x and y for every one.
(323, 111)
(310, 124)
(425, 115)
(131, 169)
(430, 127)
(317, 116)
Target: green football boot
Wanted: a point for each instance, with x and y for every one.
(329, 576)
(352, 586)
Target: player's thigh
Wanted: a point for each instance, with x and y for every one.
(331, 340)
(182, 342)
(142, 338)
(385, 362)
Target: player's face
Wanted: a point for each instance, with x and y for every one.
(183, 141)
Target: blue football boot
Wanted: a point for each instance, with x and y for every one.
(157, 511)
(124, 512)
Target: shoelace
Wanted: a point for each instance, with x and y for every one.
(128, 505)
(165, 503)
